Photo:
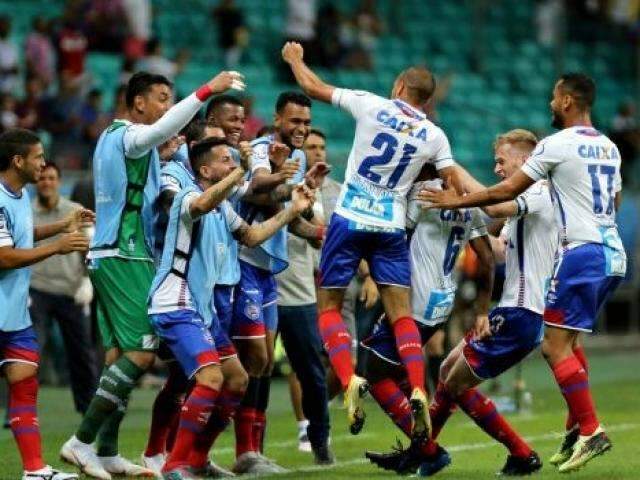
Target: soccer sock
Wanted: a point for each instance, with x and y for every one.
(260, 420)
(442, 407)
(23, 420)
(582, 358)
(337, 343)
(165, 413)
(483, 412)
(409, 348)
(245, 418)
(193, 420)
(394, 403)
(113, 391)
(572, 378)
(107, 439)
(224, 410)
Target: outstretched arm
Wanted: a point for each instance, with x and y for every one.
(78, 218)
(311, 84)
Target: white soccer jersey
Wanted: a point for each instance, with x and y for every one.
(583, 169)
(439, 237)
(392, 143)
(532, 241)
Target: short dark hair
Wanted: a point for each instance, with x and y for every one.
(319, 133)
(419, 82)
(581, 87)
(292, 97)
(199, 151)
(265, 130)
(194, 131)
(141, 82)
(17, 141)
(221, 100)
(53, 166)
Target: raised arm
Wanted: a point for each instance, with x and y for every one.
(311, 84)
(215, 194)
(143, 138)
(72, 222)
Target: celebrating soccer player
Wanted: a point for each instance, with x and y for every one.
(583, 169)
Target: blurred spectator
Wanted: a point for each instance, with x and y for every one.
(92, 119)
(71, 45)
(233, 36)
(8, 117)
(106, 25)
(8, 57)
(83, 193)
(61, 290)
(625, 133)
(40, 56)
(328, 31)
(252, 123)
(28, 110)
(156, 62)
(138, 15)
(548, 18)
(361, 36)
(61, 113)
(301, 27)
(128, 69)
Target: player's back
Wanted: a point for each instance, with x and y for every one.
(583, 168)
(392, 142)
(437, 240)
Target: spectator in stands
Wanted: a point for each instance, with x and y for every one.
(28, 110)
(120, 103)
(301, 27)
(138, 15)
(233, 36)
(155, 61)
(365, 28)
(40, 56)
(298, 327)
(252, 123)
(8, 117)
(72, 45)
(61, 113)
(105, 25)
(8, 58)
(92, 120)
(625, 133)
(61, 290)
(328, 32)
(128, 69)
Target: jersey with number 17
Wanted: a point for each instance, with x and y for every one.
(392, 142)
(583, 169)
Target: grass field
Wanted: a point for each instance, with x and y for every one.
(615, 378)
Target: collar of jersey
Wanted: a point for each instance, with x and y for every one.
(8, 191)
(412, 112)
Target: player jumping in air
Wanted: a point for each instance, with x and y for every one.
(393, 140)
(21, 163)
(583, 169)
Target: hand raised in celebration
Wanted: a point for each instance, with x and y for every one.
(315, 176)
(302, 198)
(245, 150)
(278, 153)
(170, 147)
(292, 52)
(226, 80)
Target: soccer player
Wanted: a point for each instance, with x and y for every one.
(583, 169)
(126, 178)
(393, 140)
(181, 296)
(254, 321)
(21, 163)
(437, 239)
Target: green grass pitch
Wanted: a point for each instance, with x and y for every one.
(615, 378)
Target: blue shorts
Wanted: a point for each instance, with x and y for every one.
(348, 242)
(515, 332)
(382, 342)
(255, 308)
(579, 287)
(188, 338)
(19, 346)
(223, 304)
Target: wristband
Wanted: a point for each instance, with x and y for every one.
(204, 92)
(320, 232)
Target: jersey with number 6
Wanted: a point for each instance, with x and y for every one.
(392, 142)
(583, 168)
(439, 236)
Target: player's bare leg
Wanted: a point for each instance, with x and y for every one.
(571, 375)
(397, 307)
(337, 343)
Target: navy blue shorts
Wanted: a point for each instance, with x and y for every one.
(382, 342)
(515, 332)
(19, 346)
(221, 323)
(188, 338)
(255, 308)
(580, 286)
(348, 242)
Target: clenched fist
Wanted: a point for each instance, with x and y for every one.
(292, 52)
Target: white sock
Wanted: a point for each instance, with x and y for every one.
(302, 427)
